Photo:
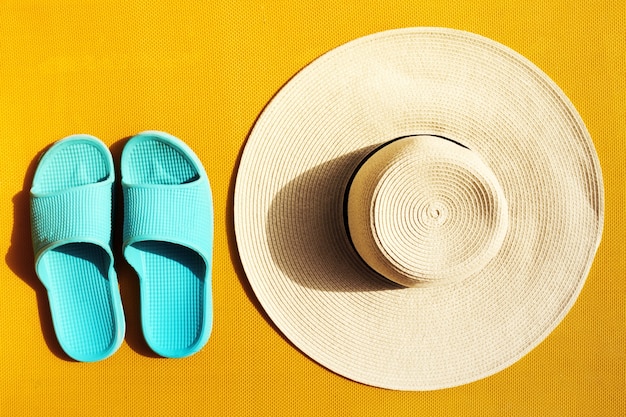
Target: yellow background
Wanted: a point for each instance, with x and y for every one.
(203, 71)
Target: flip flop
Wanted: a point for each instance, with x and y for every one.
(168, 240)
(71, 218)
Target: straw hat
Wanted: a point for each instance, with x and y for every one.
(419, 208)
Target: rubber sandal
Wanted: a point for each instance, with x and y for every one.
(71, 218)
(168, 240)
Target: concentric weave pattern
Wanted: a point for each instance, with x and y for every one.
(304, 150)
(423, 210)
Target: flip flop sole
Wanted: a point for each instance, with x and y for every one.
(168, 235)
(71, 215)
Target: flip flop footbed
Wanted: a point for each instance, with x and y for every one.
(81, 298)
(172, 294)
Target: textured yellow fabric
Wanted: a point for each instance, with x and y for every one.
(203, 71)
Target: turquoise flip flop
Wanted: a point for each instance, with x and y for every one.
(71, 218)
(168, 240)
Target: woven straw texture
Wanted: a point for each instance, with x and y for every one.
(303, 153)
(423, 211)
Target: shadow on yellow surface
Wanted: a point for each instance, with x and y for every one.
(20, 257)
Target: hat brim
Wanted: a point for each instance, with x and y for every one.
(303, 150)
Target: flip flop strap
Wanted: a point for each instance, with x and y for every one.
(181, 214)
(82, 214)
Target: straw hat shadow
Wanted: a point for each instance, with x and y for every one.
(323, 238)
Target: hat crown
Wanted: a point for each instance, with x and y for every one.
(423, 210)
